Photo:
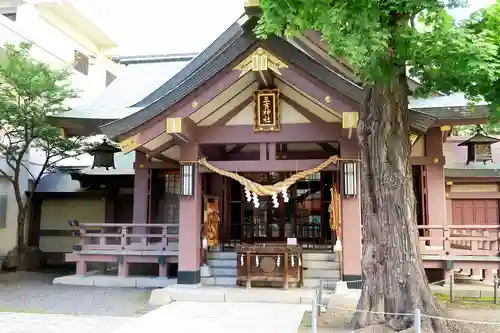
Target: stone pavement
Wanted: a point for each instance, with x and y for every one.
(220, 317)
(34, 293)
(56, 323)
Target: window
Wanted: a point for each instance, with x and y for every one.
(172, 199)
(10, 16)
(483, 152)
(81, 62)
(3, 211)
(110, 77)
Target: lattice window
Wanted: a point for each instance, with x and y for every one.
(172, 199)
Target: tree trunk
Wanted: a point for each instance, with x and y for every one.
(392, 268)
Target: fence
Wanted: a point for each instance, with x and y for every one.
(417, 315)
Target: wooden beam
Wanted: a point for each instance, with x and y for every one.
(302, 110)
(269, 166)
(427, 160)
(230, 115)
(323, 95)
(322, 132)
(265, 79)
(236, 149)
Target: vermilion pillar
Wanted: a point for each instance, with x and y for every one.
(351, 222)
(141, 192)
(190, 219)
(436, 192)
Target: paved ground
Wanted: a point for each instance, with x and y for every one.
(53, 323)
(29, 303)
(34, 293)
(189, 317)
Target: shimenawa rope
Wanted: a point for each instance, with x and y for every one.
(262, 190)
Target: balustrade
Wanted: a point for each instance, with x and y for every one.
(124, 237)
(460, 240)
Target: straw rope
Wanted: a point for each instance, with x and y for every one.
(262, 190)
(334, 210)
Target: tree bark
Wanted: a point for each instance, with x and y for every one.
(392, 268)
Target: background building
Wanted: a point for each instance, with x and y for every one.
(62, 37)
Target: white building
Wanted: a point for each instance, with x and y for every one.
(62, 37)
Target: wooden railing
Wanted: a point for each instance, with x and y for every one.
(460, 240)
(124, 237)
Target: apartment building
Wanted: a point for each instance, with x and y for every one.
(63, 37)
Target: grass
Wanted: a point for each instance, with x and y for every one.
(468, 302)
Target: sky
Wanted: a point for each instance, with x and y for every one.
(162, 26)
(176, 26)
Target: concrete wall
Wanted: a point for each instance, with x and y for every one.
(55, 214)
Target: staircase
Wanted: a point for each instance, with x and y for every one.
(223, 265)
(319, 266)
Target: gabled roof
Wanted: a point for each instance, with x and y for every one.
(220, 54)
(232, 43)
(144, 94)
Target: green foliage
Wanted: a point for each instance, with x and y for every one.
(30, 92)
(380, 38)
(470, 130)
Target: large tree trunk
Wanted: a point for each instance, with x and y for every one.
(392, 268)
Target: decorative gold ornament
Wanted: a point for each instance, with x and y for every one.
(194, 105)
(173, 125)
(435, 160)
(328, 99)
(260, 60)
(129, 144)
(349, 119)
(449, 182)
(413, 138)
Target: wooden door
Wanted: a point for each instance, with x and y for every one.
(475, 212)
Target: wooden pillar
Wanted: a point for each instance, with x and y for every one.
(351, 221)
(436, 194)
(141, 194)
(190, 219)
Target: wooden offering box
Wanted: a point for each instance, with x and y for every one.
(269, 265)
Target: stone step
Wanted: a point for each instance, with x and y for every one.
(222, 281)
(321, 264)
(321, 273)
(222, 255)
(313, 282)
(217, 271)
(319, 256)
(222, 263)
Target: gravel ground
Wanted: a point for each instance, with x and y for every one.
(30, 292)
(337, 321)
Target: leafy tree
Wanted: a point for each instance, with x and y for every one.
(30, 92)
(381, 39)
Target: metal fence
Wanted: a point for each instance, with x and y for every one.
(318, 303)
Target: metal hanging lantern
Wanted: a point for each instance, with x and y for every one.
(104, 155)
(350, 179)
(188, 178)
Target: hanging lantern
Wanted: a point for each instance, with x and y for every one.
(104, 155)
(350, 179)
(187, 179)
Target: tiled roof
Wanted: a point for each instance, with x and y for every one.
(141, 76)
